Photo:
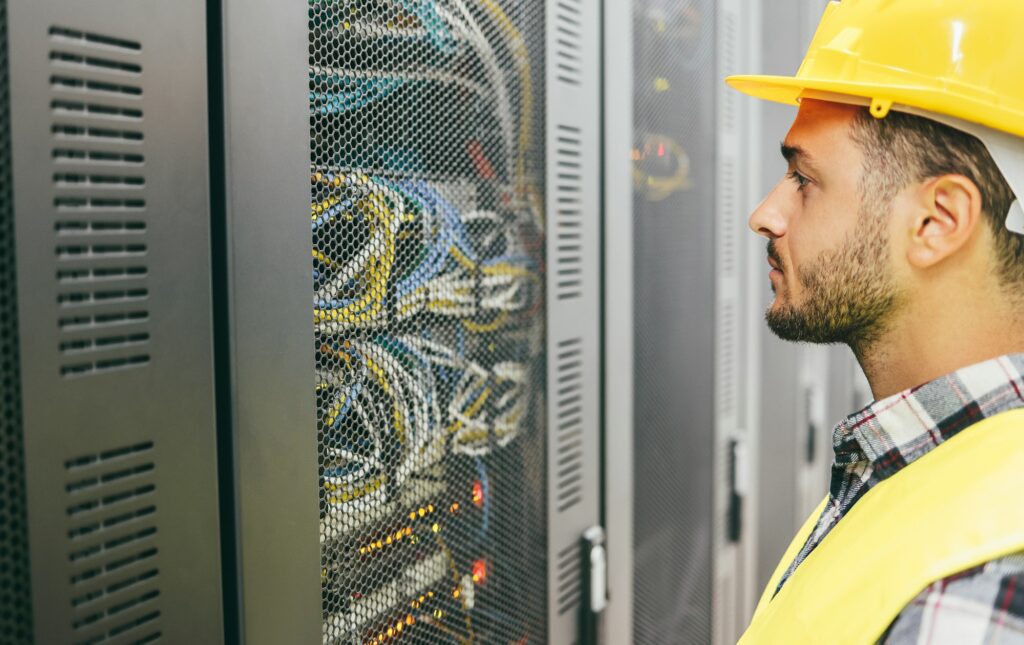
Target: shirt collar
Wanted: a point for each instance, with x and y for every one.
(897, 430)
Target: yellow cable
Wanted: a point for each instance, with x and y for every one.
(483, 328)
(348, 494)
(472, 410)
(378, 271)
(382, 380)
(317, 255)
(461, 258)
(335, 410)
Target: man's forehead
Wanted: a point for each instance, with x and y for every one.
(820, 127)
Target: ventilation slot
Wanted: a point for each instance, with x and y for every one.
(75, 276)
(67, 155)
(70, 180)
(727, 216)
(112, 512)
(569, 424)
(73, 323)
(89, 63)
(87, 251)
(75, 84)
(94, 110)
(569, 214)
(729, 45)
(82, 298)
(98, 41)
(569, 41)
(727, 359)
(105, 342)
(106, 365)
(568, 579)
(65, 131)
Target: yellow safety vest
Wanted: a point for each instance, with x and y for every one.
(959, 506)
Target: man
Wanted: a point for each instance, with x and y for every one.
(897, 232)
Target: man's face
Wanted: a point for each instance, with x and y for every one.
(831, 268)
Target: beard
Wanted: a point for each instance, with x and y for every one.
(851, 294)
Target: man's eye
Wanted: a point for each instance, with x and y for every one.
(800, 180)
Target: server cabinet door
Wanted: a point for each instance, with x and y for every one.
(108, 121)
(389, 354)
(696, 409)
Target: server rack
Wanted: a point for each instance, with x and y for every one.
(415, 414)
(110, 528)
(696, 342)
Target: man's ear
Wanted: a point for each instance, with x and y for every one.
(947, 212)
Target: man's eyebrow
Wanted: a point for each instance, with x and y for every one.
(789, 153)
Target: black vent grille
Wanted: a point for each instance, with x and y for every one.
(112, 547)
(15, 596)
(569, 214)
(569, 25)
(569, 581)
(569, 412)
(100, 200)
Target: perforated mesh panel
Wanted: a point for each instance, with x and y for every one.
(674, 319)
(428, 307)
(15, 599)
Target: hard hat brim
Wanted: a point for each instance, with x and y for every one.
(790, 89)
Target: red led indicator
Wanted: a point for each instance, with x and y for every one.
(479, 572)
(478, 493)
(661, 149)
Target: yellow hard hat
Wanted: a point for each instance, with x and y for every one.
(955, 61)
(960, 58)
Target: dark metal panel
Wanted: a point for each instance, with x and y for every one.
(109, 158)
(268, 247)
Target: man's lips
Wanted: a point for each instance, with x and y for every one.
(773, 264)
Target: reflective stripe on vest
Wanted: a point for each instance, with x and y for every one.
(956, 507)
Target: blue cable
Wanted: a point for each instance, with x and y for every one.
(437, 30)
(437, 252)
(353, 392)
(363, 92)
(337, 209)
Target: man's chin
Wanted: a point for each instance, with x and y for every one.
(788, 324)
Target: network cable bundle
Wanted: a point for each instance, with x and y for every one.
(428, 308)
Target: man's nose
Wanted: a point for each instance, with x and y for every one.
(769, 219)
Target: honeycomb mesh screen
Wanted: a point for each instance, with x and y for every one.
(15, 607)
(674, 325)
(428, 310)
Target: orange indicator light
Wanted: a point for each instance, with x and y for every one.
(479, 572)
(478, 493)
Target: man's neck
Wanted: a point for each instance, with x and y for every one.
(920, 348)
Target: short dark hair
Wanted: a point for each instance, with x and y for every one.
(904, 148)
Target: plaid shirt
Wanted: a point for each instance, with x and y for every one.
(984, 604)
